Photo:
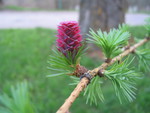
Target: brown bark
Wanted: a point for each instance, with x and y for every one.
(84, 81)
(1, 2)
(101, 14)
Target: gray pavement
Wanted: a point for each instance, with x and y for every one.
(28, 19)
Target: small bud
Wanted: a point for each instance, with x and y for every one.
(100, 73)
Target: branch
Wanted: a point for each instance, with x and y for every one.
(84, 81)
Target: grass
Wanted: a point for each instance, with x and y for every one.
(141, 12)
(23, 56)
(18, 8)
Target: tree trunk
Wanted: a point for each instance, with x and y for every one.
(1, 2)
(101, 14)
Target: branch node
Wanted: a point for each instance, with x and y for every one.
(133, 52)
(87, 75)
(108, 60)
(100, 73)
(80, 70)
(148, 38)
(127, 47)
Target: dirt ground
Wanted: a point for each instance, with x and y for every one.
(28, 19)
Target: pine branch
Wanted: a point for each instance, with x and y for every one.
(84, 81)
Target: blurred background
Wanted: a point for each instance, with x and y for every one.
(27, 36)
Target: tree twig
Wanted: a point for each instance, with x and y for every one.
(84, 81)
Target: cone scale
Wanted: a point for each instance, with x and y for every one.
(69, 38)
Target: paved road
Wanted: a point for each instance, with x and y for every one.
(26, 19)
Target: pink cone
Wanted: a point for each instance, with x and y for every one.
(69, 38)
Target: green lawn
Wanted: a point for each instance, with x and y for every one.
(18, 8)
(23, 56)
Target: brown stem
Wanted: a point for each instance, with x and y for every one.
(84, 81)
